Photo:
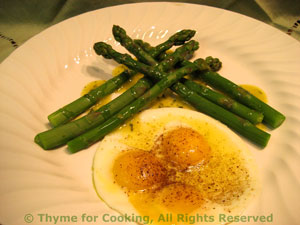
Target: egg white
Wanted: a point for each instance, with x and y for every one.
(112, 145)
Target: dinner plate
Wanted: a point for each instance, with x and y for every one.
(51, 69)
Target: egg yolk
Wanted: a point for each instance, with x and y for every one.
(180, 198)
(185, 147)
(139, 170)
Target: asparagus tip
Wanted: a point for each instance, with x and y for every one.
(102, 48)
(214, 63)
(201, 64)
(118, 32)
(182, 36)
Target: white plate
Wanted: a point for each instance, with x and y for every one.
(50, 70)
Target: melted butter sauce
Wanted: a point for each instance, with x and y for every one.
(92, 85)
(256, 91)
(260, 94)
(169, 99)
(118, 70)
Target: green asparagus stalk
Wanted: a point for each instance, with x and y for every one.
(272, 117)
(177, 39)
(62, 134)
(224, 101)
(80, 105)
(180, 53)
(240, 125)
(213, 63)
(92, 136)
(72, 110)
(147, 48)
(120, 36)
(144, 45)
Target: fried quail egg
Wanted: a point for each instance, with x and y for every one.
(138, 170)
(175, 163)
(183, 147)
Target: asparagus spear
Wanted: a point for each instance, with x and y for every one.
(177, 39)
(272, 117)
(72, 110)
(121, 36)
(148, 48)
(214, 63)
(62, 134)
(144, 45)
(225, 102)
(240, 125)
(81, 104)
(92, 136)
(181, 53)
